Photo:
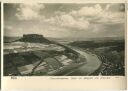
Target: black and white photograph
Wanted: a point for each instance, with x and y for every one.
(64, 39)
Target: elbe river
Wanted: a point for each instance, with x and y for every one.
(92, 64)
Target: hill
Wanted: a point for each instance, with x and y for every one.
(33, 38)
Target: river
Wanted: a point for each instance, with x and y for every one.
(92, 64)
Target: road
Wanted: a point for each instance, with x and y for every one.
(93, 63)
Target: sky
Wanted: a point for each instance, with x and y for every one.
(59, 20)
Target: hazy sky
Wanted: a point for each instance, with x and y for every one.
(64, 20)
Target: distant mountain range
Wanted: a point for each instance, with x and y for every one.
(32, 38)
(40, 38)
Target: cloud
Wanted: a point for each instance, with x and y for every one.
(68, 21)
(100, 14)
(90, 11)
(83, 18)
(29, 11)
(116, 7)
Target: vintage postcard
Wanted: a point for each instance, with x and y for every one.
(65, 43)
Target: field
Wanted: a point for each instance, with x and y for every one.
(35, 55)
(67, 56)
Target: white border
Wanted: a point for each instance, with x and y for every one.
(63, 1)
(37, 82)
(1, 44)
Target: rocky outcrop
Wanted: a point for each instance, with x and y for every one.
(34, 38)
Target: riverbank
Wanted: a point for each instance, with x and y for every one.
(108, 67)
